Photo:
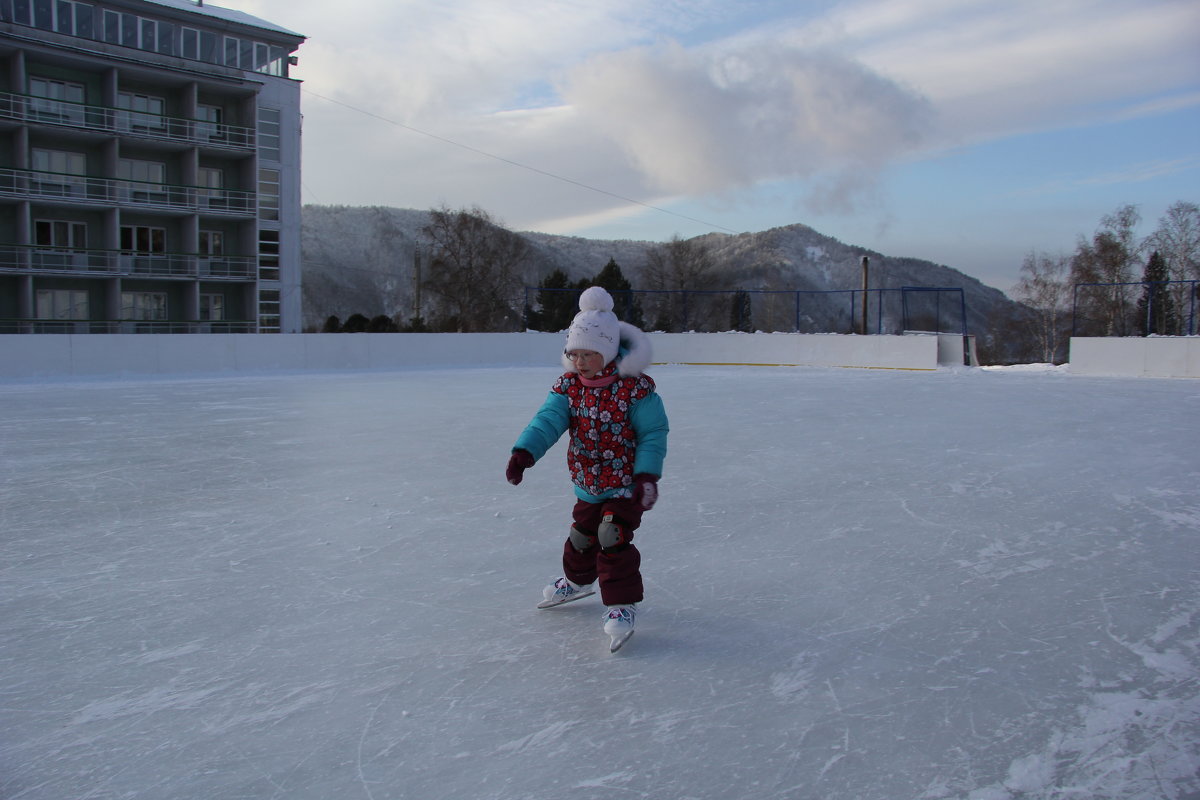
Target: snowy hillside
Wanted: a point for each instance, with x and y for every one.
(360, 260)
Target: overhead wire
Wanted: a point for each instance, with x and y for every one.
(518, 164)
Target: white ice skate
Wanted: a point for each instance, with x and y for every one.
(618, 624)
(564, 591)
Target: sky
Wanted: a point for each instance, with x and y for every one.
(965, 132)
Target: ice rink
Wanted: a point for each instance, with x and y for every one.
(861, 585)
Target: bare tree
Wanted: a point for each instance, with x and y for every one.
(1043, 287)
(1177, 240)
(1108, 260)
(475, 270)
(671, 268)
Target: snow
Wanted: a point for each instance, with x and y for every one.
(861, 584)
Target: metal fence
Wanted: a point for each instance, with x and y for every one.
(1164, 308)
(869, 311)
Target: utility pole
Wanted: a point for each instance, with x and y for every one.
(866, 269)
(416, 285)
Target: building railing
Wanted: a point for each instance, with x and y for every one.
(125, 326)
(90, 190)
(124, 122)
(73, 260)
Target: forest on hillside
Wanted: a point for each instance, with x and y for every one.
(386, 269)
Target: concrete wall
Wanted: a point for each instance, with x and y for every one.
(1150, 357)
(67, 355)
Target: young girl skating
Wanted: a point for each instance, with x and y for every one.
(618, 441)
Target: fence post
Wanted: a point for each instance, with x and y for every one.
(866, 268)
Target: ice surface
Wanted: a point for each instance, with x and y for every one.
(861, 584)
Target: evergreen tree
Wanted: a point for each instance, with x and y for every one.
(559, 301)
(381, 323)
(625, 302)
(1156, 307)
(355, 323)
(332, 325)
(741, 315)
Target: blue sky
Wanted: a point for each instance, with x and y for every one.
(964, 132)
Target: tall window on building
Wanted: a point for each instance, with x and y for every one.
(268, 255)
(269, 134)
(209, 125)
(211, 192)
(268, 311)
(268, 194)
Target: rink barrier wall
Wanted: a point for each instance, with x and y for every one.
(1137, 357)
(96, 355)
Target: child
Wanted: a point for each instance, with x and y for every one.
(618, 442)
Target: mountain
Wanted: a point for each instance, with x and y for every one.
(361, 260)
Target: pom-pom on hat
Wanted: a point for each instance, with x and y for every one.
(595, 327)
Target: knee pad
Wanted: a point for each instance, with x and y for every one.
(613, 535)
(581, 541)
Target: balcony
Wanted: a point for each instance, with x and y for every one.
(118, 263)
(91, 190)
(126, 326)
(123, 122)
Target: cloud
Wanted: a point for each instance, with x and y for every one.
(708, 120)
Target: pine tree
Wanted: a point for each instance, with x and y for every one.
(741, 315)
(625, 302)
(1156, 308)
(558, 300)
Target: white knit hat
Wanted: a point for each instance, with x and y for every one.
(595, 327)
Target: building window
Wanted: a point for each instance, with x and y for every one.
(268, 194)
(56, 101)
(142, 181)
(62, 304)
(60, 234)
(212, 307)
(58, 173)
(141, 112)
(212, 243)
(143, 239)
(166, 38)
(144, 306)
(268, 311)
(211, 182)
(269, 134)
(189, 43)
(232, 45)
(209, 126)
(268, 255)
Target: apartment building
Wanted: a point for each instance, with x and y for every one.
(149, 169)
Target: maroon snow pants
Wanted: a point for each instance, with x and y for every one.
(619, 572)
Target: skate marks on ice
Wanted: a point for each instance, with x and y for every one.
(995, 600)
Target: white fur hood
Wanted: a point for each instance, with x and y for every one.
(634, 356)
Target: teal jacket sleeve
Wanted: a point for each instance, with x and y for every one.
(547, 425)
(649, 419)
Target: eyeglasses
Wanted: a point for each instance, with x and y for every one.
(579, 355)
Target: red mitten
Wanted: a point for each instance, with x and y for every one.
(645, 490)
(518, 462)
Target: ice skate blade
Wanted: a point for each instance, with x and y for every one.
(552, 603)
(619, 641)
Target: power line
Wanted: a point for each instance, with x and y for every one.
(518, 164)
